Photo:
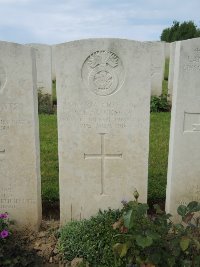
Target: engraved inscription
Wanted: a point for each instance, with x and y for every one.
(3, 78)
(11, 107)
(155, 70)
(9, 201)
(194, 192)
(7, 124)
(103, 73)
(191, 122)
(103, 156)
(93, 115)
(193, 61)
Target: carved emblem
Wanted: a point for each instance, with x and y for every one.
(3, 78)
(103, 73)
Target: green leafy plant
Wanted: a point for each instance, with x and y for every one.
(90, 239)
(44, 103)
(155, 240)
(160, 104)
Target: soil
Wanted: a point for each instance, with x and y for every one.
(51, 210)
(42, 244)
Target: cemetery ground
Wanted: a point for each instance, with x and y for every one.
(42, 246)
(33, 247)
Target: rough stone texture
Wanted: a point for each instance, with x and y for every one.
(53, 62)
(20, 193)
(44, 67)
(157, 50)
(171, 70)
(183, 183)
(103, 90)
(167, 50)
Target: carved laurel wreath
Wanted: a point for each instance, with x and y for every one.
(103, 58)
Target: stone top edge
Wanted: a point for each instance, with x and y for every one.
(101, 39)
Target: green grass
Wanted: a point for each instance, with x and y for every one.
(49, 157)
(54, 98)
(166, 69)
(165, 87)
(158, 156)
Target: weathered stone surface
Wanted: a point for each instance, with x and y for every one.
(183, 183)
(157, 50)
(103, 90)
(20, 193)
(44, 67)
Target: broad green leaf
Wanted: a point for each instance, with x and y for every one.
(153, 235)
(128, 219)
(124, 250)
(121, 249)
(142, 209)
(184, 243)
(144, 241)
(117, 248)
(193, 206)
(182, 210)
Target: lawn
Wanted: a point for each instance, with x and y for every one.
(49, 157)
(159, 138)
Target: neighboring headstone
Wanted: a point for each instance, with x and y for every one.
(183, 182)
(171, 70)
(44, 67)
(157, 50)
(167, 50)
(103, 90)
(20, 193)
(53, 62)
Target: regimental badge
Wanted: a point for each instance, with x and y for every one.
(103, 73)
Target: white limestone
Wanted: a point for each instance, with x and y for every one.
(20, 193)
(44, 67)
(157, 50)
(183, 182)
(103, 90)
(171, 70)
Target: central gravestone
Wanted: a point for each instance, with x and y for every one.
(103, 94)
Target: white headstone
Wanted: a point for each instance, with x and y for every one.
(157, 50)
(20, 193)
(44, 67)
(103, 89)
(183, 182)
(171, 70)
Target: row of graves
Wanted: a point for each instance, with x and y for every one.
(103, 107)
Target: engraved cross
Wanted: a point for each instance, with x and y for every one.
(103, 156)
